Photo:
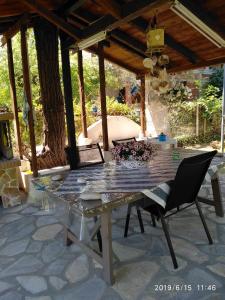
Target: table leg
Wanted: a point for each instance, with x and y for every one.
(217, 196)
(106, 230)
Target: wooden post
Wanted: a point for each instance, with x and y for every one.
(143, 118)
(82, 95)
(103, 96)
(28, 95)
(14, 97)
(68, 96)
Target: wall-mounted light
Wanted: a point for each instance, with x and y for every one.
(92, 40)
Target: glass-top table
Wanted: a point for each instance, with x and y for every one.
(116, 186)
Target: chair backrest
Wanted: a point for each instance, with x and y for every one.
(188, 180)
(123, 141)
(90, 155)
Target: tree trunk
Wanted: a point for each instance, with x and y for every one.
(46, 37)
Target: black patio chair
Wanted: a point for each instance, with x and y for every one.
(184, 190)
(123, 141)
(90, 155)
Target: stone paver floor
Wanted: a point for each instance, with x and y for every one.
(35, 264)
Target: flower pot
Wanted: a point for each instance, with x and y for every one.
(134, 164)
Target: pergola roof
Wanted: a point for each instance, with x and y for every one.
(127, 22)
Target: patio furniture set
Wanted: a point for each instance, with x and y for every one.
(165, 186)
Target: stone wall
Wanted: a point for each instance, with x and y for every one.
(9, 186)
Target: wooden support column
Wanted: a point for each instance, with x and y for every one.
(28, 95)
(68, 96)
(82, 95)
(14, 97)
(143, 118)
(103, 97)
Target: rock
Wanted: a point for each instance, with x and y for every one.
(32, 284)
(57, 282)
(128, 284)
(10, 218)
(126, 253)
(52, 251)
(78, 270)
(25, 265)
(218, 269)
(4, 286)
(92, 289)
(46, 220)
(15, 248)
(47, 232)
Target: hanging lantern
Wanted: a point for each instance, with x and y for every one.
(155, 40)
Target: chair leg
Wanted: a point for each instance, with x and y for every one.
(140, 219)
(166, 232)
(153, 220)
(127, 220)
(99, 237)
(204, 222)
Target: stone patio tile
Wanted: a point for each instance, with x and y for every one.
(51, 251)
(15, 248)
(25, 265)
(32, 284)
(47, 232)
(198, 276)
(187, 250)
(4, 286)
(128, 284)
(42, 221)
(39, 298)
(218, 269)
(57, 267)
(92, 289)
(125, 253)
(10, 218)
(29, 210)
(12, 295)
(57, 282)
(34, 247)
(78, 269)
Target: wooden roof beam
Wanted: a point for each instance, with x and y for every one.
(114, 8)
(142, 24)
(14, 29)
(129, 12)
(117, 34)
(71, 6)
(53, 18)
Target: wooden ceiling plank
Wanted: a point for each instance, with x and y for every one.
(71, 6)
(117, 34)
(130, 12)
(127, 47)
(53, 18)
(142, 24)
(208, 18)
(14, 29)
